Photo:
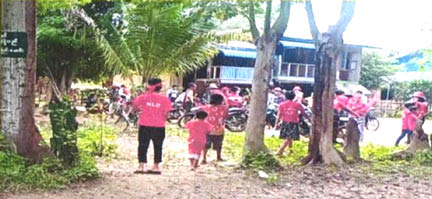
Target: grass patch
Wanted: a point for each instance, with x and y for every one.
(17, 175)
(93, 140)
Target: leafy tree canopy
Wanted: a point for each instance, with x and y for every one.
(373, 68)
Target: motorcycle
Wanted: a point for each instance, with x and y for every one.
(236, 121)
(176, 113)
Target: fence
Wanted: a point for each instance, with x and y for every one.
(388, 108)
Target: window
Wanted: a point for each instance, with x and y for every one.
(302, 71)
(284, 69)
(311, 71)
(293, 70)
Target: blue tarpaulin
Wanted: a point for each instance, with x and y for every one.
(239, 53)
(293, 44)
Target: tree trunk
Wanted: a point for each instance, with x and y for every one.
(419, 140)
(266, 46)
(321, 141)
(18, 80)
(352, 139)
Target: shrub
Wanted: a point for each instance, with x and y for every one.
(64, 127)
(97, 140)
(424, 158)
(261, 161)
(15, 174)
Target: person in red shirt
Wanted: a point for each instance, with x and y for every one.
(422, 105)
(289, 112)
(359, 109)
(217, 113)
(234, 99)
(409, 119)
(340, 103)
(198, 130)
(154, 109)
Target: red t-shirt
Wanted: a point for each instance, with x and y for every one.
(358, 107)
(216, 117)
(340, 102)
(198, 130)
(290, 111)
(422, 108)
(409, 120)
(235, 100)
(154, 108)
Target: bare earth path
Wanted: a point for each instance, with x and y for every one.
(223, 180)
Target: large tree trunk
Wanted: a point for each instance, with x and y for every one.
(266, 46)
(419, 140)
(321, 147)
(352, 140)
(18, 80)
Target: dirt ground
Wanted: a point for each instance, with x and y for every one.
(224, 180)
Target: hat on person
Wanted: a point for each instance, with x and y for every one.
(419, 94)
(297, 88)
(213, 85)
(277, 89)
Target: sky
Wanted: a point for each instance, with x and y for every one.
(394, 25)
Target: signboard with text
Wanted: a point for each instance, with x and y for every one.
(14, 44)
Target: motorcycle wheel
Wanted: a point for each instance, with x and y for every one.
(372, 124)
(174, 116)
(184, 119)
(236, 123)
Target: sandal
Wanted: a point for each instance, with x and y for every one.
(154, 172)
(140, 172)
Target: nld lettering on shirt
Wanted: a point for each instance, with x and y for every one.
(153, 104)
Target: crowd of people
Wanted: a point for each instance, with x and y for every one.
(207, 129)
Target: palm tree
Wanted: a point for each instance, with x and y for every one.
(157, 38)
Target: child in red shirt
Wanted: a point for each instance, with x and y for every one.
(409, 119)
(198, 130)
(289, 112)
(217, 113)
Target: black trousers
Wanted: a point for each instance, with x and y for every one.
(157, 136)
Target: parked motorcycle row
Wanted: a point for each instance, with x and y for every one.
(237, 117)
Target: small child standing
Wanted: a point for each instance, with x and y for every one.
(409, 119)
(289, 112)
(198, 130)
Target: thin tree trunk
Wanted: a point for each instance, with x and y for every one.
(352, 139)
(321, 143)
(18, 80)
(256, 122)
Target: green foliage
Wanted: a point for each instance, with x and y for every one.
(158, 37)
(424, 158)
(402, 91)
(64, 127)
(261, 161)
(97, 140)
(377, 153)
(16, 174)
(373, 67)
(67, 49)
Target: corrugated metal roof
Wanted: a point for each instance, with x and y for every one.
(293, 44)
(239, 53)
(410, 76)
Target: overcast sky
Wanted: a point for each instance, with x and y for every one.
(390, 24)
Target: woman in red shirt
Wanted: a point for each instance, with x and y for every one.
(289, 112)
(422, 105)
(154, 109)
